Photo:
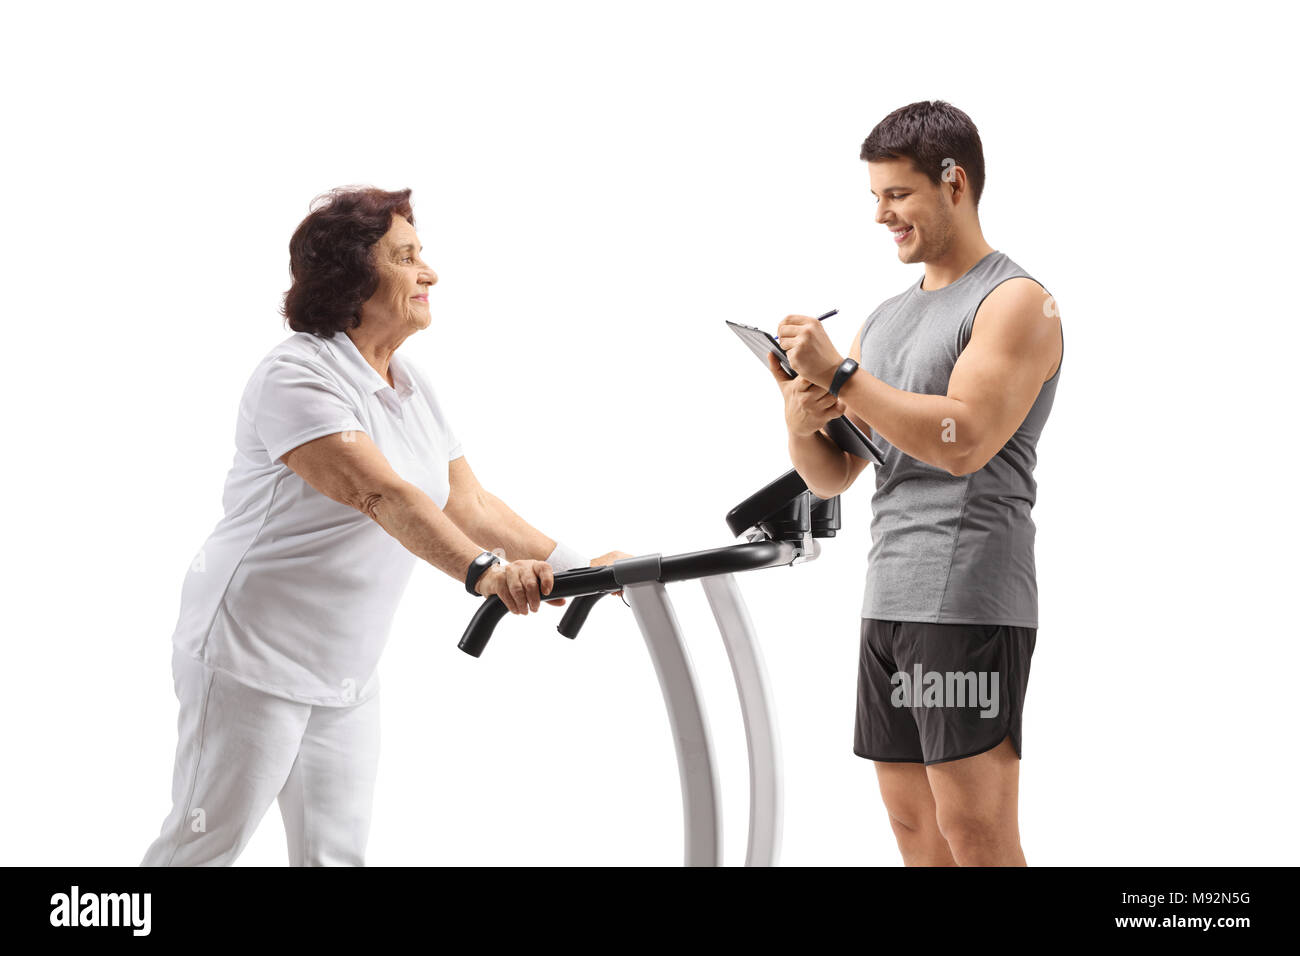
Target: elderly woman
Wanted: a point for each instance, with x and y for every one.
(345, 468)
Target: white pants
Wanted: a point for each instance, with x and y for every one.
(239, 748)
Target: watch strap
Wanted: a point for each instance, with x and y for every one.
(847, 368)
(477, 568)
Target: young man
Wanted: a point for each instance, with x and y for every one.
(955, 382)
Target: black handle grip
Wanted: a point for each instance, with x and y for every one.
(482, 625)
(577, 613)
(568, 584)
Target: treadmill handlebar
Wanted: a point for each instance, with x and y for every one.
(588, 585)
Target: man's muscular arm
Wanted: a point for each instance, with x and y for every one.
(1013, 347)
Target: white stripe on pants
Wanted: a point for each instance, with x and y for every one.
(239, 748)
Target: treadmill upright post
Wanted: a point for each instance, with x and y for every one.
(765, 803)
(701, 815)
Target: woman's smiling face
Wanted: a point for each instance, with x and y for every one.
(404, 280)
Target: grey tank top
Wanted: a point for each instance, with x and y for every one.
(945, 549)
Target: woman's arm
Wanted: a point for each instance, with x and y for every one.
(486, 518)
(349, 468)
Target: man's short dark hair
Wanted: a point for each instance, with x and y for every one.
(928, 133)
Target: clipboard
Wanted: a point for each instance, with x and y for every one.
(846, 435)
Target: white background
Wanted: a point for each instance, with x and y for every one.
(599, 186)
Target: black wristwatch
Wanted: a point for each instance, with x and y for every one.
(847, 368)
(477, 567)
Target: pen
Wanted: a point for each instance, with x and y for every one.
(822, 318)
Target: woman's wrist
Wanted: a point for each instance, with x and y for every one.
(565, 558)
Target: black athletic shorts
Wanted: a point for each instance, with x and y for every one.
(928, 693)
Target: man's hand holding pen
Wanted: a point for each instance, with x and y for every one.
(808, 349)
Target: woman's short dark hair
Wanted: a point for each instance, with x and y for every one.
(928, 133)
(330, 257)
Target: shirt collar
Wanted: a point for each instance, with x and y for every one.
(364, 374)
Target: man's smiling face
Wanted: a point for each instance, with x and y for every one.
(918, 213)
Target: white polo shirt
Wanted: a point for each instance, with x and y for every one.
(294, 593)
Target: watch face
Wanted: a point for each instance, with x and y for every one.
(847, 368)
(477, 568)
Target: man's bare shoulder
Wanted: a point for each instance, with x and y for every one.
(1022, 313)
